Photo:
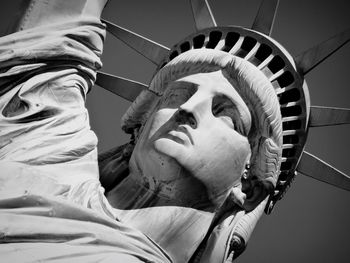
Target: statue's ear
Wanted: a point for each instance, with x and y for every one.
(255, 192)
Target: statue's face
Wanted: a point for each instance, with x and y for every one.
(198, 129)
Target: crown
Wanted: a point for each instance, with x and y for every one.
(285, 72)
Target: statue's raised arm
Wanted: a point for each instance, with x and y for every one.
(47, 68)
(52, 203)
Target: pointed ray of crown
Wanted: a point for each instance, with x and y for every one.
(146, 47)
(284, 72)
(125, 88)
(266, 16)
(203, 17)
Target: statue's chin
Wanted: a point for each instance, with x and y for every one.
(157, 159)
(171, 146)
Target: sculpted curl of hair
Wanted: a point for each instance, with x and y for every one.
(265, 136)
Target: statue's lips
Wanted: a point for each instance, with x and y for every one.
(180, 135)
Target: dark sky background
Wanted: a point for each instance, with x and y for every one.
(312, 222)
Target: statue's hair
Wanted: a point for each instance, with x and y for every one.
(265, 136)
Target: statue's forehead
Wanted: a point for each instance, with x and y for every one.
(212, 81)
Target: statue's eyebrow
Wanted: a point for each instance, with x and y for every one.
(183, 84)
(188, 87)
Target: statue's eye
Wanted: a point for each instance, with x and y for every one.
(177, 94)
(225, 109)
(171, 99)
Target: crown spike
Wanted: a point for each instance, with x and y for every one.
(151, 50)
(312, 57)
(203, 17)
(328, 116)
(314, 167)
(265, 17)
(122, 87)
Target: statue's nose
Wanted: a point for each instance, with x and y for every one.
(195, 109)
(185, 117)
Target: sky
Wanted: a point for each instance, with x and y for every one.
(312, 222)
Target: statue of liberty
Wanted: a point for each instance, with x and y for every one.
(216, 138)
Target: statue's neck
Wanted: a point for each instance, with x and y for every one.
(169, 205)
(177, 222)
(137, 191)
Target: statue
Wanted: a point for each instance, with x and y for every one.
(207, 154)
